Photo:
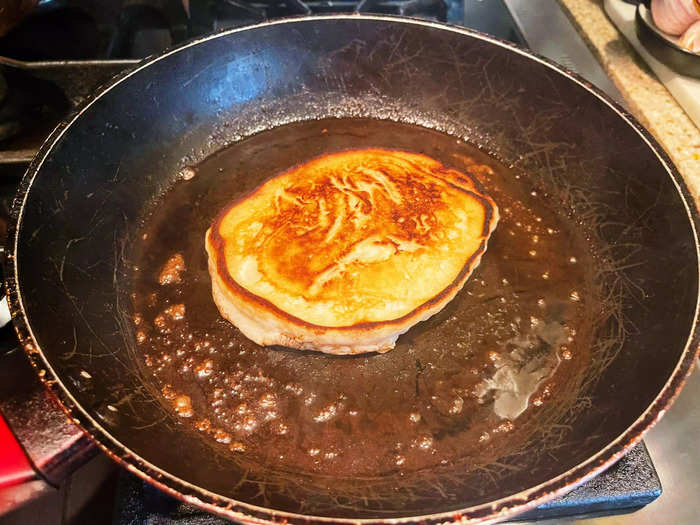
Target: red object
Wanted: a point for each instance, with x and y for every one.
(14, 465)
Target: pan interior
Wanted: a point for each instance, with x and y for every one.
(498, 369)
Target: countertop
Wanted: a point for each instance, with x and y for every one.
(644, 95)
(673, 443)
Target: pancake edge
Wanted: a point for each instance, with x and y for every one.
(266, 324)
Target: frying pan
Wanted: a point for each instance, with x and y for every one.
(81, 202)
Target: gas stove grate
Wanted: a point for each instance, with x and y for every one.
(626, 486)
(435, 9)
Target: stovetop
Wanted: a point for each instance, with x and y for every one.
(625, 487)
(96, 39)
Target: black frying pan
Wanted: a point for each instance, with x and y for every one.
(82, 201)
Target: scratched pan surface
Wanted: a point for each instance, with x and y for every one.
(80, 216)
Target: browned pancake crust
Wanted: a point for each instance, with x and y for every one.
(423, 194)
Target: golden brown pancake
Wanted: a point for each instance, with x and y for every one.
(344, 253)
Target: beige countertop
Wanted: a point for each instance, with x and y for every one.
(645, 96)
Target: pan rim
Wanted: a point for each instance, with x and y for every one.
(485, 512)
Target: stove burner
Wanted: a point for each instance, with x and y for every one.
(26, 101)
(66, 33)
(77, 29)
(435, 9)
(226, 14)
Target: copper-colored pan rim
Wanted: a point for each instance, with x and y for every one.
(483, 513)
(217, 242)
